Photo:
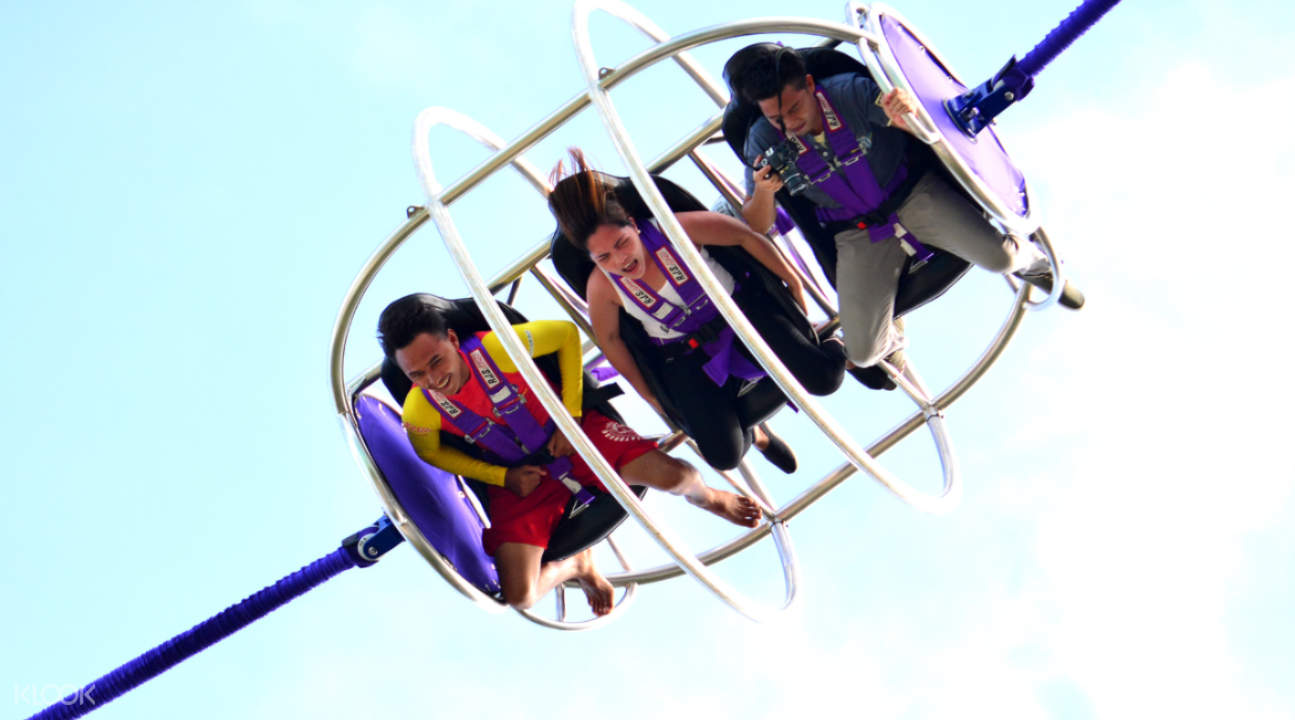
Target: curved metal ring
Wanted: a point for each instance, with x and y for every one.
(396, 511)
(600, 98)
(1040, 238)
(754, 489)
(521, 358)
(802, 502)
(885, 68)
(627, 597)
(888, 74)
(423, 123)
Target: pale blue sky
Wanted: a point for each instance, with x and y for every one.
(187, 191)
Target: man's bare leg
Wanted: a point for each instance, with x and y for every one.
(525, 581)
(663, 472)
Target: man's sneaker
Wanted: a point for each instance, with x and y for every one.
(872, 377)
(1039, 275)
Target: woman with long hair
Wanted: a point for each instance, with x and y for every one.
(693, 357)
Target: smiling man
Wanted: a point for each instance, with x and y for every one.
(468, 386)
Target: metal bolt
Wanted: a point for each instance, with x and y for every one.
(604, 72)
(1009, 96)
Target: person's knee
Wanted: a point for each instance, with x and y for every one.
(719, 455)
(520, 598)
(824, 384)
(826, 376)
(678, 476)
(865, 352)
(1000, 260)
(720, 442)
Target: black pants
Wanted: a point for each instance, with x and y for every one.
(711, 415)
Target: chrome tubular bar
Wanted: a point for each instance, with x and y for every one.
(423, 124)
(888, 74)
(573, 106)
(396, 512)
(351, 302)
(559, 593)
(678, 238)
(507, 154)
(734, 197)
(484, 295)
(344, 396)
(833, 479)
(566, 424)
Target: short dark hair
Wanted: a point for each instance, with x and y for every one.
(761, 71)
(583, 200)
(409, 317)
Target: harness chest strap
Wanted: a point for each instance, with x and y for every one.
(696, 310)
(520, 436)
(698, 313)
(853, 186)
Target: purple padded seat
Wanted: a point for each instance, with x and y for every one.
(933, 84)
(433, 498)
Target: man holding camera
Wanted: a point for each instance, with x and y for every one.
(846, 148)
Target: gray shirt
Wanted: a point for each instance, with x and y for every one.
(854, 97)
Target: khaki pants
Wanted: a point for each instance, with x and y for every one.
(867, 273)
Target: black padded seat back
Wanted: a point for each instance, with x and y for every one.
(574, 265)
(571, 534)
(916, 288)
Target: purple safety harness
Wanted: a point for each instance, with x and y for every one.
(520, 438)
(851, 184)
(697, 319)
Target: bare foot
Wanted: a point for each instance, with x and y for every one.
(730, 506)
(598, 591)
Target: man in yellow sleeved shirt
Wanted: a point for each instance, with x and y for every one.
(525, 503)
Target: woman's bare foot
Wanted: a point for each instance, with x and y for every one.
(730, 506)
(598, 591)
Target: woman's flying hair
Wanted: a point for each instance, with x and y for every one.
(584, 199)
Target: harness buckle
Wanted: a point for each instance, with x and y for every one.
(479, 432)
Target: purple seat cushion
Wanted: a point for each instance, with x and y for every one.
(432, 498)
(934, 84)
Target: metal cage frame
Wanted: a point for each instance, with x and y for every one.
(600, 81)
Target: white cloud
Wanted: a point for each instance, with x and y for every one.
(1172, 387)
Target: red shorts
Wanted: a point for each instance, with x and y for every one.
(531, 519)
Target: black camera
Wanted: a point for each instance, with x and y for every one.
(782, 157)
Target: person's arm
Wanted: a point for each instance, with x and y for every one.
(709, 228)
(423, 426)
(897, 104)
(542, 337)
(760, 208)
(888, 109)
(604, 315)
(426, 439)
